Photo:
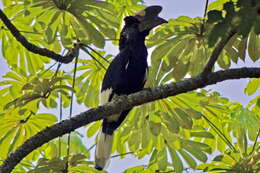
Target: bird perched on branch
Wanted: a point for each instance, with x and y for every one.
(126, 74)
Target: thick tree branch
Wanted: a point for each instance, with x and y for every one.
(217, 50)
(31, 47)
(122, 103)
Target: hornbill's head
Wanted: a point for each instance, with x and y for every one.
(139, 25)
(149, 18)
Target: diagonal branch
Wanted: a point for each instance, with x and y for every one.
(31, 47)
(122, 103)
(217, 51)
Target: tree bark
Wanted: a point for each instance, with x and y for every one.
(122, 103)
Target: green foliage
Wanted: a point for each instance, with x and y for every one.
(88, 82)
(57, 162)
(21, 89)
(245, 156)
(178, 133)
(18, 128)
(238, 14)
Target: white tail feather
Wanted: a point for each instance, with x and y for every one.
(103, 150)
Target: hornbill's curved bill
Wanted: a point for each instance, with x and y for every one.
(125, 75)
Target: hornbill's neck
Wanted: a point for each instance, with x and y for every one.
(130, 35)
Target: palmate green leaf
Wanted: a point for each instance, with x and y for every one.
(214, 16)
(89, 81)
(218, 4)
(254, 104)
(6, 139)
(183, 118)
(94, 127)
(218, 32)
(16, 129)
(94, 35)
(243, 120)
(60, 13)
(231, 161)
(162, 159)
(248, 16)
(160, 51)
(224, 61)
(62, 87)
(180, 71)
(87, 15)
(171, 123)
(188, 158)
(159, 159)
(14, 52)
(176, 161)
(235, 48)
(42, 89)
(52, 151)
(157, 140)
(196, 153)
(76, 159)
(102, 5)
(202, 134)
(155, 128)
(252, 86)
(134, 169)
(76, 147)
(104, 26)
(150, 169)
(82, 168)
(199, 146)
(12, 86)
(181, 46)
(254, 46)
(134, 140)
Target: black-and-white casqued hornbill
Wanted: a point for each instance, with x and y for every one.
(126, 74)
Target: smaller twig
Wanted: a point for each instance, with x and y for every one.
(27, 118)
(85, 50)
(217, 50)
(257, 136)
(71, 106)
(47, 69)
(60, 119)
(220, 134)
(118, 155)
(31, 47)
(204, 17)
(96, 52)
(91, 147)
(111, 39)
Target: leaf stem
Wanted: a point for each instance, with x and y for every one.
(204, 18)
(91, 147)
(71, 106)
(257, 136)
(96, 52)
(220, 134)
(118, 155)
(85, 50)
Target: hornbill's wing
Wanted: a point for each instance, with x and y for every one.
(114, 77)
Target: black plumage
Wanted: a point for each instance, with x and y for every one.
(125, 75)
